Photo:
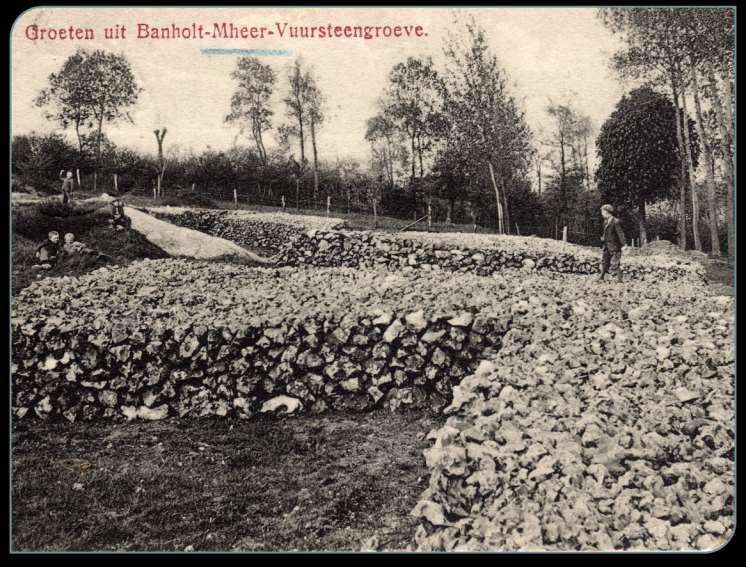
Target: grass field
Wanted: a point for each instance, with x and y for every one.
(305, 483)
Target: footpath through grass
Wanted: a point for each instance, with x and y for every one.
(297, 483)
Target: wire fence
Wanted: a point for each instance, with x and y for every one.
(394, 220)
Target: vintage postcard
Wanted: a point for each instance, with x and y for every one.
(385, 279)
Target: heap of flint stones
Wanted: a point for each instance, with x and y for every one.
(605, 422)
(317, 241)
(266, 231)
(479, 254)
(179, 337)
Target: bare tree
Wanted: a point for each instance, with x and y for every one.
(159, 137)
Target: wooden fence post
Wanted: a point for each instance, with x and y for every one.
(77, 171)
(429, 217)
(116, 186)
(235, 198)
(517, 230)
(283, 202)
(564, 234)
(328, 204)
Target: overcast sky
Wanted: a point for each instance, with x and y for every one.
(549, 54)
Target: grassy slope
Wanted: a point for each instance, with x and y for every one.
(313, 483)
(32, 223)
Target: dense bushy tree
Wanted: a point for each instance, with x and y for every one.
(638, 151)
(691, 52)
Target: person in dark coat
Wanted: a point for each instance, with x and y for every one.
(48, 252)
(119, 220)
(613, 242)
(67, 186)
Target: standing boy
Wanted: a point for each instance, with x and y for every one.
(613, 242)
(67, 186)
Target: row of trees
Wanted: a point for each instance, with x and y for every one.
(251, 110)
(688, 52)
(459, 130)
(450, 138)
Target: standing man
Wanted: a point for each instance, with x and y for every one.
(613, 243)
(67, 186)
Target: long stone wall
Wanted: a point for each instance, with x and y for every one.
(306, 243)
(185, 338)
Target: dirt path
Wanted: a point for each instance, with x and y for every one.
(178, 241)
(307, 483)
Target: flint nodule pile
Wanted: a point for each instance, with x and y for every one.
(178, 337)
(605, 422)
(313, 241)
(581, 416)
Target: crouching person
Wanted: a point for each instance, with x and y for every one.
(48, 252)
(613, 242)
(72, 247)
(119, 221)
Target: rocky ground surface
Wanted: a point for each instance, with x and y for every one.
(323, 242)
(267, 232)
(604, 423)
(599, 416)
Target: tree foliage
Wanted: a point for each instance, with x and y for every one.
(250, 103)
(638, 150)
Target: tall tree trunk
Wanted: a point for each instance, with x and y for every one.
(506, 211)
(497, 199)
(725, 126)
(315, 161)
(297, 193)
(390, 168)
(682, 165)
(563, 174)
(80, 150)
(300, 132)
(260, 143)
(414, 173)
(419, 152)
(98, 151)
(160, 135)
(709, 167)
(643, 222)
(587, 168)
(690, 165)
(414, 156)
